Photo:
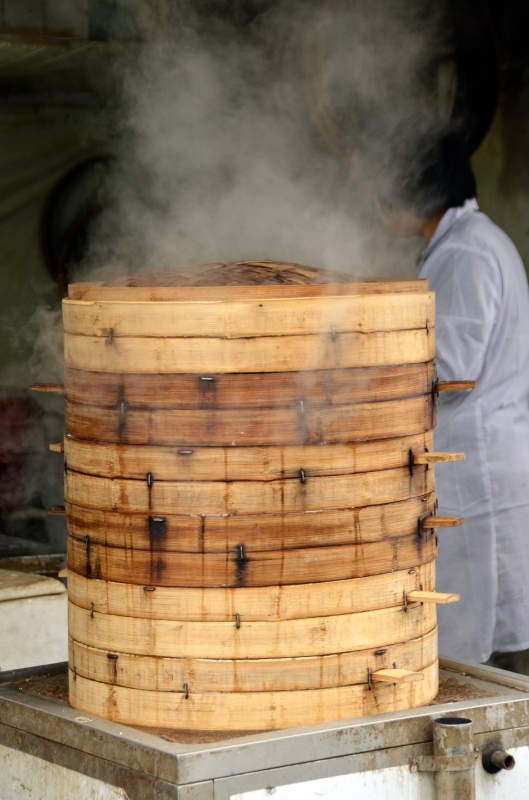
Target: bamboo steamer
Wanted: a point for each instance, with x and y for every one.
(250, 496)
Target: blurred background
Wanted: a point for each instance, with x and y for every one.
(65, 67)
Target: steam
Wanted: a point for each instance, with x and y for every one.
(264, 140)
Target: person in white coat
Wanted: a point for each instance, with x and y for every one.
(482, 334)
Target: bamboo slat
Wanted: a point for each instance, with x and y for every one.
(259, 354)
(284, 639)
(248, 675)
(267, 603)
(397, 676)
(455, 386)
(246, 497)
(238, 568)
(246, 427)
(246, 710)
(442, 522)
(214, 534)
(437, 458)
(244, 318)
(250, 390)
(240, 463)
(432, 597)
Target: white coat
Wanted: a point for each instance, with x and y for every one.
(482, 333)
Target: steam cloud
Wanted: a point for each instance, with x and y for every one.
(263, 140)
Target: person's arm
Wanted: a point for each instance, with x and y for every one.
(468, 292)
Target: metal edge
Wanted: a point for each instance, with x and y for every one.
(18, 675)
(56, 721)
(186, 764)
(502, 677)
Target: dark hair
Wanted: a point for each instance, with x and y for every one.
(433, 172)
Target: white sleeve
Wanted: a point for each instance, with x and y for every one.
(468, 292)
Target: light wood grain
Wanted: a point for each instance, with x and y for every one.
(437, 458)
(259, 354)
(265, 568)
(246, 497)
(249, 675)
(222, 534)
(188, 294)
(183, 428)
(284, 639)
(245, 710)
(244, 318)
(267, 603)
(240, 463)
(397, 676)
(250, 390)
(432, 597)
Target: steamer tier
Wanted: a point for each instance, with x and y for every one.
(250, 496)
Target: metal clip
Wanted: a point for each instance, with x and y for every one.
(111, 336)
(75, 673)
(427, 328)
(405, 601)
(185, 452)
(369, 679)
(112, 655)
(186, 691)
(302, 476)
(157, 528)
(149, 588)
(150, 479)
(411, 460)
(91, 610)
(122, 408)
(237, 620)
(301, 407)
(207, 378)
(380, 652)
(419, 527)
(87, 543)
(241, 555)
(333, 333)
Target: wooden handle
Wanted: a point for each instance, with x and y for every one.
(63, 573)
(397, 676)
(437, 458)
(454, 386)
(432, 597)
(51, 388)
(442, 522)
(57, 447)
(56, 511)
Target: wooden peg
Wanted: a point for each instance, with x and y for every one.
(454, 386)
(57, 447)
(442, 522)
(50, 388)
(432, 597)
(396, 676)
(56, 511)
(437, 458)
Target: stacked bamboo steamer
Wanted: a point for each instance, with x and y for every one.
(249, 497)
